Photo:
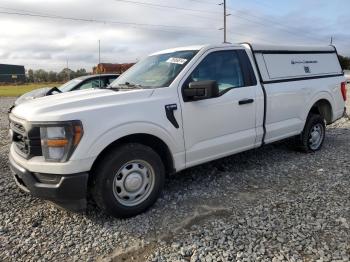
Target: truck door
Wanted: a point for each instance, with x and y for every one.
(224, 124)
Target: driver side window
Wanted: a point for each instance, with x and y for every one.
(221, 66)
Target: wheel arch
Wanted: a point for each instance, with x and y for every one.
(152, 141)
(322, 105)
(324, 108)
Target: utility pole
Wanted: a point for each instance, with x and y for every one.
(224, 21)
(225, 16)
(99, 62)
(68, 73)
(99, 51)
(331, 40)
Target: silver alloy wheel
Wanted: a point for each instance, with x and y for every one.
(133, 182)
(316, 136)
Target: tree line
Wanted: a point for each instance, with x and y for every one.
(42, 76)
(345, 62)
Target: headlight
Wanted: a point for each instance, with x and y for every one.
(59, 140)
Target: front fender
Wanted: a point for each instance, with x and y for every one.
(126, 129)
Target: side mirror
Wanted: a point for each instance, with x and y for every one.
(52, 91)
(201, 90)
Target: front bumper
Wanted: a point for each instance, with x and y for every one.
(68, 191)
(39, 165)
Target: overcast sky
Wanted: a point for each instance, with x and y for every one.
(129, 31)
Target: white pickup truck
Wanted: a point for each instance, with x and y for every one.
(175, 109)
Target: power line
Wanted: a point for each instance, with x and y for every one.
(33, 14)
(270, 6)
(265, 21)
(178, 8)
(214, 12)
(263, 4)
(132, 25)
(152, 5)
(49, 16)
(250, 35)
(167, 6)
(42, 15)
(187, 9)
(239, 16)
(260, 18)
(268, 22)
(206, 17)
(203, 2)
(20, 10)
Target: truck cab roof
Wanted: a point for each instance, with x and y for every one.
(194, 47)
(254, 46)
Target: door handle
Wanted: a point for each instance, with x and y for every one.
(246, 101)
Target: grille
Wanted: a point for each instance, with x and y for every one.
(27, 141)
(19, 137)
(19, 127)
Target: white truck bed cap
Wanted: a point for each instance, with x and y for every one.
(287, 63)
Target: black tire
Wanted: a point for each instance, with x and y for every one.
(104, 174)
(303, 140)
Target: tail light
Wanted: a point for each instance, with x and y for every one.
(343, 90)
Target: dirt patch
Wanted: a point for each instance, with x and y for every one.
(136, 253)
(140, 251)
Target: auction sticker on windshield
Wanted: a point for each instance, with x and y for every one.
(175, 60)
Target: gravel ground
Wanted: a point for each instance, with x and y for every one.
(269, 204)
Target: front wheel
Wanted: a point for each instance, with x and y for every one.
(313, 135)
(128, 180)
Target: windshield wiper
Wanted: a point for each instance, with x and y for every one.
(128, 85)
(54, 89)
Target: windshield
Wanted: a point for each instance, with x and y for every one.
(69, 85)
(155, 71)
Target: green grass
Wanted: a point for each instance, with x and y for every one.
(17, 90)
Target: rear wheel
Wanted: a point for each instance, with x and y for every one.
(313, 135)
(128, 180)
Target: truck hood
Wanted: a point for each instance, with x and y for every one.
(67, 106)
(31, 95)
